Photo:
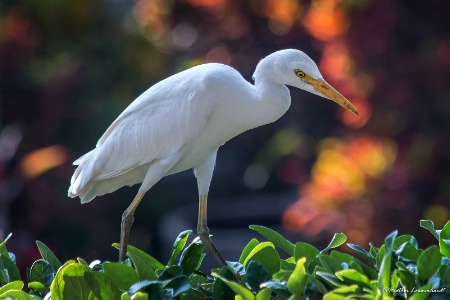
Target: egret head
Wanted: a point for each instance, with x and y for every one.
(295, 68)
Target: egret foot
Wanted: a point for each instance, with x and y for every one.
(127, 221)
(203, 231)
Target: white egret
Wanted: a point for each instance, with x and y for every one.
(180, 123)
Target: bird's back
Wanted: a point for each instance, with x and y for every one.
(161, 123)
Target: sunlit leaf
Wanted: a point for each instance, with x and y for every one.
(122, 275)
(444, 240)
(247, 249)
(275, 238)
(337, 240)
(297, 281)
(178, 245)
(240, 290)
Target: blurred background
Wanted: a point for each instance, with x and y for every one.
(69, 67)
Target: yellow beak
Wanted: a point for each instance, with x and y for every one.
(325, 89)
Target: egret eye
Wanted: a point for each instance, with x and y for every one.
(300, 73)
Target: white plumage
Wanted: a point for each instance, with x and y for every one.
(180, 122)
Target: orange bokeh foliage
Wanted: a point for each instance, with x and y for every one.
(325, 20)
(39, 161)
(344, 173)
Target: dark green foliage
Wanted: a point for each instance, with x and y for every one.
(399, 269)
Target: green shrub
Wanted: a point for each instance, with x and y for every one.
(399, 269)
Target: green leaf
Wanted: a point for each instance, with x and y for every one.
(14, 285)
(41, 271)
(57, 285)
(444, 274)
(421, 293)
(3, 245)
(256, 274)
(264, 294)
(122, 275)
(170, 273)
(240, 290)
(406, 238)
(144, 258)
(330, 263)
(305, 250)
(192, 257)
(16, 295)
(75, 285)
(408, 252)
(266, 255)
(48, 255)
(178, 285)
(444, 240)
(145, 264)
(221, 289)
(338, 239)
(247, 249)
(10, 266)
(364, 254)
(384, 275)
(101, 285)
(179, 244)
(351, 277)
(277, 288)
(329, 278)
(297, 282)
(275, 238)
(428, 263)
(429, 225)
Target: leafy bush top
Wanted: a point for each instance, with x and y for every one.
(399, 269)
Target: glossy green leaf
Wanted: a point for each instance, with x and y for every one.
(247, 249)
(266, 255)
(421, 293)
(337, 240)
(179, 244)
(10, 266)
(48, 256)
(384, 276)
(275, 238)
(352, 277)
(221, 289)
(297, 282)
(170, 273)
(240, 290)
(142, 258)
(101, 285)
(256, 274)
(264, 294)
(14, 285)
(178, 285)
(41, 271)
(330, 263)
(305, 250)
(429, 225)
(444, 274)
(277, 288)
(363, 253)
(192, 257)
(444, 240)
(145, 264)
(16, 295)
(3, 245)
(428, 263)
(57, 285)
(75, 284)
(122, 275)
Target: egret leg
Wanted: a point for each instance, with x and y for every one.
(127, 221)
(203, 231)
